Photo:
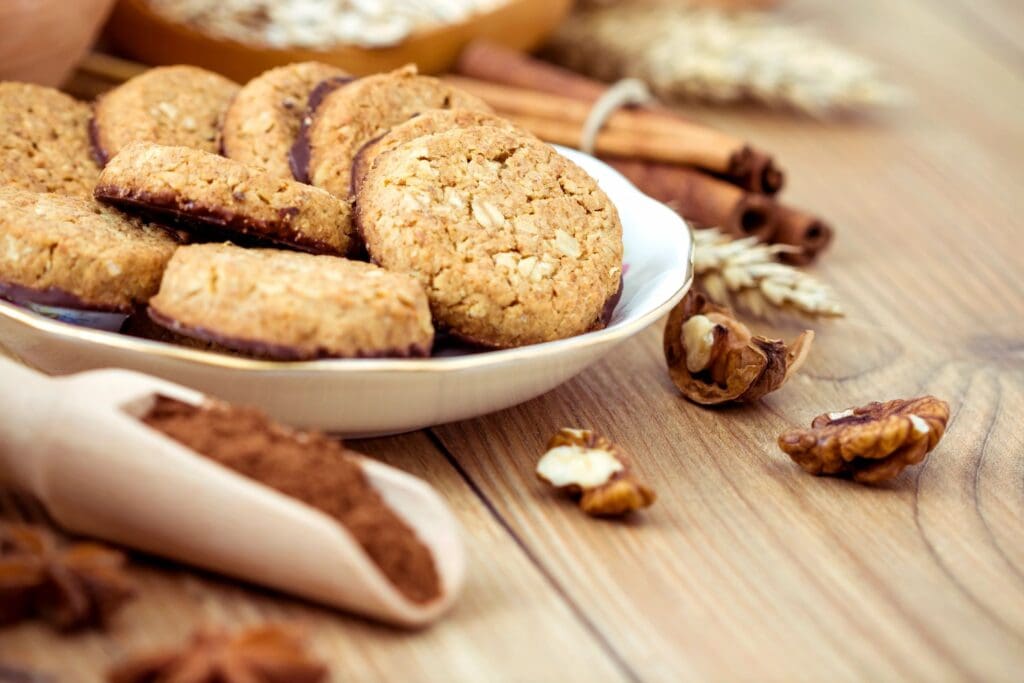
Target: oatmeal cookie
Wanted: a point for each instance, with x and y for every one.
(336, 127)
(44, 141)
(70, 252)
(204, 191)
(427, 123)
(513, 243)
(170, 105)
(290, 306)
(263, 120)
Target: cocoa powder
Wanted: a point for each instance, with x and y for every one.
(308, 466)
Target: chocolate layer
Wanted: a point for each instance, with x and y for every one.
(363, 251)
(360, 163)
(299, 156)
(200, 217)
(98, 153)
(609, 306)
(270, 350)
(360, 167)
(52, 296)
(140, 325)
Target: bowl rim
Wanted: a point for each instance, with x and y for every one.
(209, 359)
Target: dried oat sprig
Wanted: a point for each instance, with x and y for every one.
(716, 56)
(748, 273)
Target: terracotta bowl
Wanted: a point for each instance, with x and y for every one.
(140, 33)
(41, 40)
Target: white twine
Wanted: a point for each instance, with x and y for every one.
(623, 93)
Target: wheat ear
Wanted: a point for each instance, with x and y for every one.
(718, 56)
(748, 273)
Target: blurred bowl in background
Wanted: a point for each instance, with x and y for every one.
(42, 40)
(140, 33)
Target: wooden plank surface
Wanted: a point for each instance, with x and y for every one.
(746, 568)
(994, 22)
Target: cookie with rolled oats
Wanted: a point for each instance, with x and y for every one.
(169, 105)
(339, 122)
(265, 116)
(44, 141)
(285, 305)
(216, 197)
(70, 252)
(513, 243)
(429, 122)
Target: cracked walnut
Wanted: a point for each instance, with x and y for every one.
(870, 444)
(590, 467)
(713, 358)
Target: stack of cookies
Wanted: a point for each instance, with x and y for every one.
(303, 215)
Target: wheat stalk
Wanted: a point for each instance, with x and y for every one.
(748, 273)
(717, 56)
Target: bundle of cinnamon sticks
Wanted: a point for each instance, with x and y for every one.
(711, 178)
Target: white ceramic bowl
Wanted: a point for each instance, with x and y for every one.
(363, 397)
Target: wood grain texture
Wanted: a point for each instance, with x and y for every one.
(993, 22)
(746, 568)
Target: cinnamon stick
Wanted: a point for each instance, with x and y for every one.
(497, 64)
(720, 153)
(799, 229)
(702, 199)
(609, 141)
(627, 132)
(710, 202)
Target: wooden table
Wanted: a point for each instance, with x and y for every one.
(746, 568)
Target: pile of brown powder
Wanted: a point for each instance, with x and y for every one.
(312, 468)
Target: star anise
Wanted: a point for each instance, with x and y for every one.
(263, 654)
(71, 586)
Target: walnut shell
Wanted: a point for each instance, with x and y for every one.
(870, 444)
(734, 365)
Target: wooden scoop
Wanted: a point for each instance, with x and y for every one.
(77, 443)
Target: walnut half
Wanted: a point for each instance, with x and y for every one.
(590, 467)
(871, 444)
(712, 357)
